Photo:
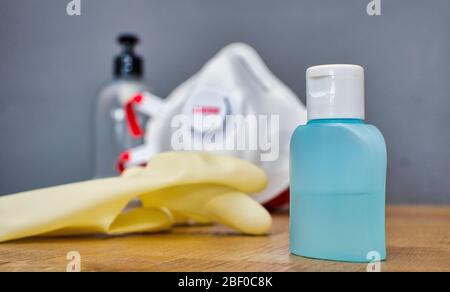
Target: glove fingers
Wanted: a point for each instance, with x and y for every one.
(204, 202)
(240, 212)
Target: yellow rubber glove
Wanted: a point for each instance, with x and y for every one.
(195, 185)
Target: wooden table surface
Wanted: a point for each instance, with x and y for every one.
(418, 240)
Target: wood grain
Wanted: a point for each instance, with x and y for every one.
(418, 240)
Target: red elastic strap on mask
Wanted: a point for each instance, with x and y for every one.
(278, 201)
(132, 118)
(123, 159)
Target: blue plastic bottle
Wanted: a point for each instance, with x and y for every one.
(338, 172)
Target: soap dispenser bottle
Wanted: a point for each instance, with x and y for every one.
(338, 172)
(112, 136)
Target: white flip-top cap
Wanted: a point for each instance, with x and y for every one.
(335, 91)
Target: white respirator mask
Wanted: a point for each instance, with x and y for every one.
(233, 106)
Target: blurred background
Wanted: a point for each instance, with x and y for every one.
(52, 66)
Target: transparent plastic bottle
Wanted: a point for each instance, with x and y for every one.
(338, 172)
(112, 136)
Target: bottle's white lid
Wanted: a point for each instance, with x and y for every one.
(335, 91)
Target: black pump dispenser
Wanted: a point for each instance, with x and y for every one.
(128, 64)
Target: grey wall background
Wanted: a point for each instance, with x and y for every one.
(52, 65)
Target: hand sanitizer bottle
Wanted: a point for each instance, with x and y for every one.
(338, 172)
(112, 136)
